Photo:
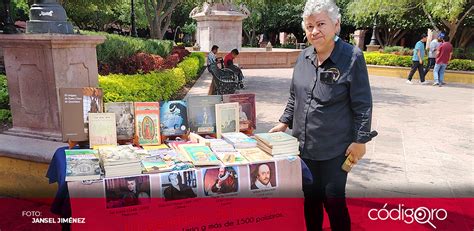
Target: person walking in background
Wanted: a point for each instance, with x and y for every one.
(443, 55)
(434, 44)
(418, 55)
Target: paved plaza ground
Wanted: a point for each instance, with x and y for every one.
(425, 142)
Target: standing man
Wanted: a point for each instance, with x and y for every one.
(444, 54)
(434, 44)
(418, 55)
(330, 112)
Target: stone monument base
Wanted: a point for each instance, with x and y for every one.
(37, 65)
(373, 48)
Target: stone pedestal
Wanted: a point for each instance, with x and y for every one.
(373, 48)
(219, 24)
(359, 37)
(37, 65)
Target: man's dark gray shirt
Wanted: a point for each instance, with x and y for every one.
(327, 116)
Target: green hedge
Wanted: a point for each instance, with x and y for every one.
(191, 65)
(154, 86)
(5, 114)
(117, 47)
(3, 92)
(376, 58)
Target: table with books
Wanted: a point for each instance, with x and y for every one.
(187, 184)
(181, 165)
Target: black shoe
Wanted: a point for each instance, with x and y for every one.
(241, 86)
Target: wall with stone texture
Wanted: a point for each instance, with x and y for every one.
(25, 179)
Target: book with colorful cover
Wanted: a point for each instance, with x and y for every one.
(155, 164)
(247, 110)
(102, 130)
(76, 104)
(201, 113)
(201, 155)
(82, 164)
(173, 118)
(231, 158)
(254, 155)
(227, 118)
(124, 118)
(147, 123)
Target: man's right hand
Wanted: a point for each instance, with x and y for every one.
(421, 62)
(281, 127)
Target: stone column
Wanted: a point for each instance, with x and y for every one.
(359, 36)
(37, 65)
(219, 24)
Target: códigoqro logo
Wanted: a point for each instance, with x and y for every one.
(421, 215)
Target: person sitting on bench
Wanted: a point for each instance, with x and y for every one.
(229, 63)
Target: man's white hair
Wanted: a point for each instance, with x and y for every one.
(318, 6)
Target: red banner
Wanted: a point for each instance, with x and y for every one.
(240, 214)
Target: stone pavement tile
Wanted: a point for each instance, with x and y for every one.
(462, 189)
(425, 177)
(433, 162)
(431, 190)
(397, 157)
(388, 193)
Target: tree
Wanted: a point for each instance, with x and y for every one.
(158, 14)
(393, 18)
(454, 16)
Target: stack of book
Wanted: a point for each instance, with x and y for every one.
(239, 140)
(278, 144)
(82, 164)
(120, 161)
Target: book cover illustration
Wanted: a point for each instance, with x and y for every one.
(76, 104)
(231, 158)
(124, 117)
(82, 164)
(254, 155)
(247, 109)
(147, 121)
(201, 113)
(201, 155)
(227, 118)
(173, 118)
(102, 130)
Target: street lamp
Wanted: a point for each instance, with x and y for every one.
(132, 15)
(48, 16)
(9, 27)
(373, 40)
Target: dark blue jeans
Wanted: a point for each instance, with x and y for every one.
(328, 190)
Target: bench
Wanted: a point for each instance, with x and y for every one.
(225, 81)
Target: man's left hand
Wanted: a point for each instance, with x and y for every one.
(357, 151)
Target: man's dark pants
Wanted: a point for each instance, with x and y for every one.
(417, 66)
(328, 189)
(431, 64)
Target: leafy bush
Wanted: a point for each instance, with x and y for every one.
(154, 86)
(399, 50)
(3, 93)
(461, 65)
(376, 58)
(142, 63)
(5, 116)
(459, 53)
(116, 47)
